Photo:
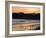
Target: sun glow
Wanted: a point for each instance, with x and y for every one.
(25, 10)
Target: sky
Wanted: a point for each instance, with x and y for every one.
(26, 10)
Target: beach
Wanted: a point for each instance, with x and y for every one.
(23, 24)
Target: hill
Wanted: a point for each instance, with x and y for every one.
(31, 16)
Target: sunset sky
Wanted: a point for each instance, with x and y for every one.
(26, 10)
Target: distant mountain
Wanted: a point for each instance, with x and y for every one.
(31, 16)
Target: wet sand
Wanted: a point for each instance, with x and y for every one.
(22, 27)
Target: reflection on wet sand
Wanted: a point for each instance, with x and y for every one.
(22, 27)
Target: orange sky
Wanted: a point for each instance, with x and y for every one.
(26, 10)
